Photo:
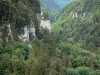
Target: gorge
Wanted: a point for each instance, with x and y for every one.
(49, 37)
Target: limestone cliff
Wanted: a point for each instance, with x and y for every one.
(21, 20)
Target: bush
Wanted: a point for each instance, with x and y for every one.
(79, 61)
(84, 70)
(52, 72)
(45, 15)
(97, 72)
(5, 64)
(71, 71)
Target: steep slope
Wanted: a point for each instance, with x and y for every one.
(50, 4)
(51, 7)
(48, 54)
(78, 22)
(19, 20)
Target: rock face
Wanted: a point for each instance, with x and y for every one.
(45, 24)
(19, 20)
(23, 25)
(25, 36)
(76, 15)
(6, 32)
(10, 35)
(28, 33)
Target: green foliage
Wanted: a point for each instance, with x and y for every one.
(71, 71)
(84, 70)
(45, 16)
(4, 11)
(57, 53)
(52, 72)
(12, 58)
(96, 72)
(51, 7)
(78, 22)
(19, 13)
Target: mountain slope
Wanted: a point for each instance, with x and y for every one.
(79, 22)
(53, 7)
(47, 54)
(50, 4)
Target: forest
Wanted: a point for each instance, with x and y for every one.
(71, 47)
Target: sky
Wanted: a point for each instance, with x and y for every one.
(62, 2)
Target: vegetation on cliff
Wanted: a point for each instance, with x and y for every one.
(72, 48)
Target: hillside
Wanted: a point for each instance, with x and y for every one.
(50, 5)
(79, 23)
(18, 16)
(29, 46)
(53, 7)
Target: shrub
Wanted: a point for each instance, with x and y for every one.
(84, 70)
(71, 71)
(52, 72)
(97, 72)
(79, 61)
